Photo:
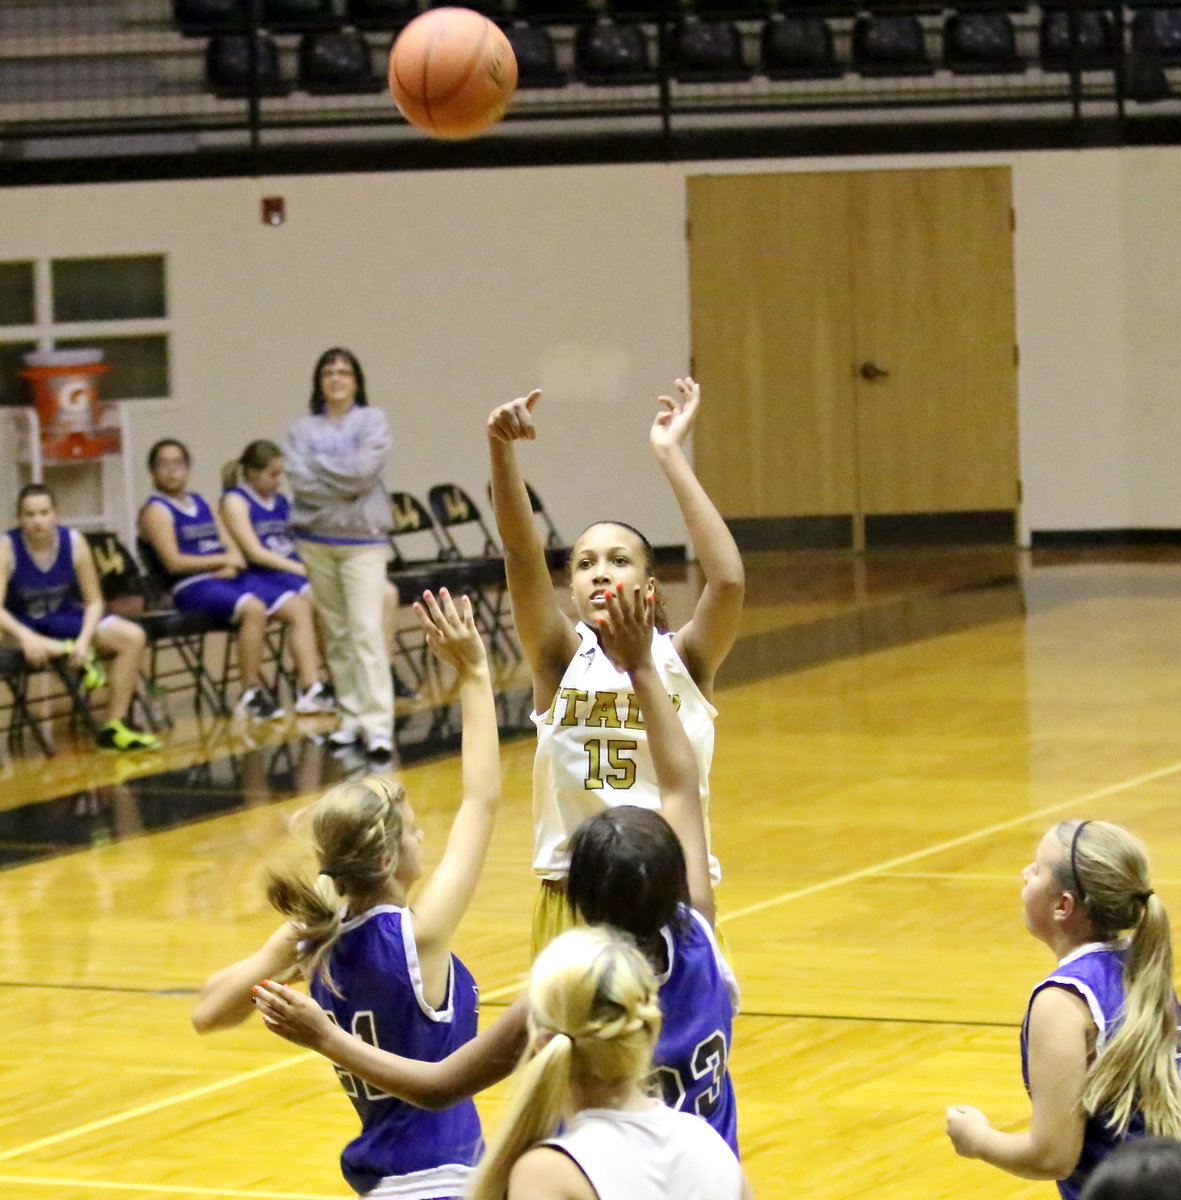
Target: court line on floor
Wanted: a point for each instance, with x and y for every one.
(155, 1106)
(951, 844)
(83, 1185)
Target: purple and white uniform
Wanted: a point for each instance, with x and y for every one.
(401, 1151)
(270, 519)
(1094, 972)
(698, 1000)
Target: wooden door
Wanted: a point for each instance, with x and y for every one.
(772, 334)
(854, 334)
(933, 308)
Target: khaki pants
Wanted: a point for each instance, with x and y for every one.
(348, 586)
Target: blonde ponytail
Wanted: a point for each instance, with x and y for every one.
(1136, 1071)
(229, 475)
(356, 835)
(594, 1015)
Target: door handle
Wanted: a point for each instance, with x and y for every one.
(870, 371)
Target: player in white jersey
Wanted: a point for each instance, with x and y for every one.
(594, 1017)
(592, 750)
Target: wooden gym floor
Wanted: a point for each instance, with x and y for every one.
(895, 735)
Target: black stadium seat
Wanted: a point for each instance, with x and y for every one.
(336, 61)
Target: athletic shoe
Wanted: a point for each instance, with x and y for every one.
(380, 752)
(257, 704)
(314, 700)
(116, 735)
(344, 737)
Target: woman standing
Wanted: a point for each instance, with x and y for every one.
(341, 516)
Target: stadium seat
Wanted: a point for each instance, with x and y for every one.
(706, 52)
(1156, 34)
(980, 43)
(607, 54)
(229, 73)
(336, 61)
(1082, 40)
(537, 63)
(890, 45)
(798, 47)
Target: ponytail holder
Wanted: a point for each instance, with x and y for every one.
(1143, 897)
(331, 874)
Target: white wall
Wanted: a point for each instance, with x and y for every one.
(461, 289)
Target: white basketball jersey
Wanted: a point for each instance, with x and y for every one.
(592, 747)
(653, 1155)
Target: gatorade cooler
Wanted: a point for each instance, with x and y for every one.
(65, 391)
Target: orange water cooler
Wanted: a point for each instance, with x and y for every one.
(74, 423)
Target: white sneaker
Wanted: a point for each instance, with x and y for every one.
(315, 700)
(380, 752)
(346, 735)
(257, 704)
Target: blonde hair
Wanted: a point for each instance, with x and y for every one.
(356, 836)
(1137, 1069)
(594, 1014)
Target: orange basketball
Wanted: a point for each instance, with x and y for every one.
(452, 72)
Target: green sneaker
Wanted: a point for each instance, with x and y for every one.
(115, 735)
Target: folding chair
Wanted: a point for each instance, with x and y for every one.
(454, 509)
(184, 632)
(16, 673)
(557, 552)
(415, 575)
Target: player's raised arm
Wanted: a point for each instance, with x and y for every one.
(706, 639)
(625, 632)
(546, 633)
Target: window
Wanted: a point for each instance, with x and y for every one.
(115, 303)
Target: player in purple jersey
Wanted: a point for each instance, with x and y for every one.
(257, 517)
(381, 967)
(628, 869)
(53, 607)
(1099, 1040)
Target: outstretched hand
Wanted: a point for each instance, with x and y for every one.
(625, 627)
(291, 1014)
(513, 421)
(675, 419)
(451, 632)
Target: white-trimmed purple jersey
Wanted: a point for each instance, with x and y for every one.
(1096, 973)
(375, 965)
(195, 529)
(270, 519)
(698, 1000)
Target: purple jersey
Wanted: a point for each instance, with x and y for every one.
(1094, 972)
(33, 593)
(375, 966)
(698, 999)
(270, 518)
(195, 529)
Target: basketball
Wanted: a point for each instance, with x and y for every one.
(452, 72)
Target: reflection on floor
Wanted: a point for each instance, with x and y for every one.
(802, 609)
